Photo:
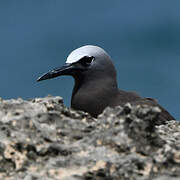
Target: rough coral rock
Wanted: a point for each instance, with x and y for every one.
(43, 139)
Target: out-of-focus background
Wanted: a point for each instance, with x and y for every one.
(142, 37)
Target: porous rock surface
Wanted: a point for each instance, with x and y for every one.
(43, 139)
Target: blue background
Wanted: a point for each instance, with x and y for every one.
(142, 37)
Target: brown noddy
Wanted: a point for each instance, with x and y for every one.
(96, 84)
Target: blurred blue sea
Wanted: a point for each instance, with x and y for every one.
(142, 37)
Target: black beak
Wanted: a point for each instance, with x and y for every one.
(67, 69)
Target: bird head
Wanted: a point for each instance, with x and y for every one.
(85, 62)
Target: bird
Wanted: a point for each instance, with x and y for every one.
(96, 84)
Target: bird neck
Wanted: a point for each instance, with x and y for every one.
(93, 95)
(102, 87)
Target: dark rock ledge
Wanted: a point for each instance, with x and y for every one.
(42, 139)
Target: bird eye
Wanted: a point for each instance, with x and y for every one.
(86, 60)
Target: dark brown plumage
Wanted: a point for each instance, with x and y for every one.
(95, 83)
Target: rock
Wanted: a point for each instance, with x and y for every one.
(43, 139)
